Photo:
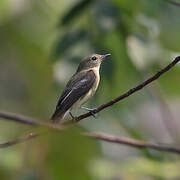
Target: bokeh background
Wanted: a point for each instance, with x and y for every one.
(41, 44)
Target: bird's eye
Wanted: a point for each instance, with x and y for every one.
(94, 58)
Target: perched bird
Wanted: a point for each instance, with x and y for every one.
(82, 85)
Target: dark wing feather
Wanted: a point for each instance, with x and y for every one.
(77, 87)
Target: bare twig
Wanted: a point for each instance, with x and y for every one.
(131, 91)
(18, 140)
(104, 137)
(176, 3)
(132, 142)
(19, 118)
(29, 120)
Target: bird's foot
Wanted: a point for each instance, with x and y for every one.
(73, 117)
(91, 110)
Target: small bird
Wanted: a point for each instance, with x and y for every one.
(82, 85)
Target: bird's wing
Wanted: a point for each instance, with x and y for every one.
(77, 87)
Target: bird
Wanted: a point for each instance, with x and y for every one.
(81, 86)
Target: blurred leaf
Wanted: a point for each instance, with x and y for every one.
(33, 65)
(75, 11)
(151, 8)
(105, 16)
(125, 74)
(128, 6)
(4, 10)
(170, 27)
(70, 155)
(68, 40)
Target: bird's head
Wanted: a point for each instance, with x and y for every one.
(91, 61)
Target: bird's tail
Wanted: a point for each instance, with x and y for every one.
(58, 116)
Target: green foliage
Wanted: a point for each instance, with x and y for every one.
(70, 155)
(75, 11)
(68, 40)
(169, 22)
(41, 42)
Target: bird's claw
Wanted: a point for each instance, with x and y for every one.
(73, 117)
(91, 110)
(92, 113)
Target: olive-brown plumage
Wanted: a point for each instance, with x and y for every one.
(82, 85)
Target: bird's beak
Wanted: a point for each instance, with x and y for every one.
(105, 56)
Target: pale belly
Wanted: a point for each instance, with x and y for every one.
(82, 100)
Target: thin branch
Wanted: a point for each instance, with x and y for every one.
(18, 140)
(19, 118)
(176, 3)
(132, 142)
(29, 120)
(131, 91)
(101, 136)
(105, 137)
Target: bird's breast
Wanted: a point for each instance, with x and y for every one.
(91, 91)
(96, 83)
(94, 86)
